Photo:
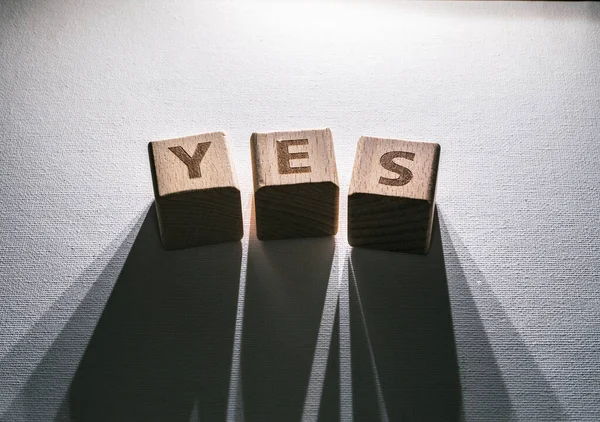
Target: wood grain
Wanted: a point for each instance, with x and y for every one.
(296, 190)
(196, 191)
(391, 200)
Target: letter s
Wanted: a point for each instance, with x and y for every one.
(404, 174)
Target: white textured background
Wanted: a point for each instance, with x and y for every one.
(510, 90)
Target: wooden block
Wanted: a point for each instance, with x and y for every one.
(296, 191)
(197, 194)
(392, 194)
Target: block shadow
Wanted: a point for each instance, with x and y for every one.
(480, 317)
(162, 347)
(404, 360)
(71, 318)
(285, 299)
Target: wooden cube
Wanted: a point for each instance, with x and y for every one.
(296, 191)
(392, 194)
(196, 190)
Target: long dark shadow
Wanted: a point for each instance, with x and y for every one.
(478, 317)
(403, 348)
(162, 347)
(286, 288)
(60, 337)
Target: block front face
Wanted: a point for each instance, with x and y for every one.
(200, 218)
(295, 184)
(392, 195)
(197, 197)
(389, 223)
(303, 210)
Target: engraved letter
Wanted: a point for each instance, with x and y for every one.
(387, 162)
(284, 156)
(193, 162)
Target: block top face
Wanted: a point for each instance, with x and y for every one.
(393, 167)
(288, 158)
(192, 163)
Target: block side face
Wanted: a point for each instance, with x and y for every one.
(231, 165)
(356, 183)
(389, 223)
(192, 163)
(332, 164)
(258, 179)
(153, 170)
(288, 158)
(200, 217)
(393, 167)
(297, 211)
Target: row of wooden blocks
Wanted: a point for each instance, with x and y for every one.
(296, 191)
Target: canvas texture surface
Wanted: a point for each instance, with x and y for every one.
(500, 321)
